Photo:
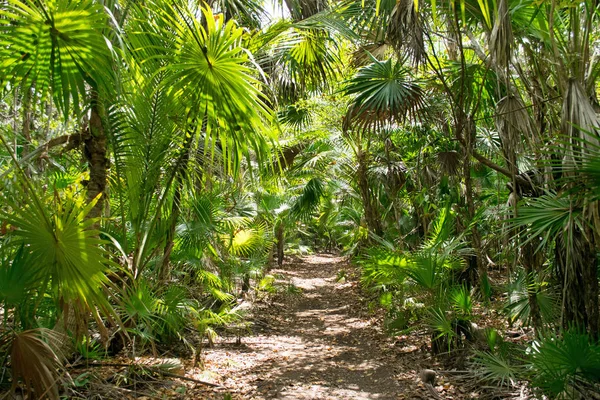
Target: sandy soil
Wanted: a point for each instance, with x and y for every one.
(314, 341)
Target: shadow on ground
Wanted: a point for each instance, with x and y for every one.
(317, 344)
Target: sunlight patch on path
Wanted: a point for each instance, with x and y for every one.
(317, 344)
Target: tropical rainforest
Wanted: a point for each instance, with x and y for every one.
(178, 175)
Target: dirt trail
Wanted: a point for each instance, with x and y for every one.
(319, 343)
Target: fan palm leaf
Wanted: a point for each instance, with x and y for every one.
(249, 13)
(567, 366)
(55, 47)
(307, 57)
(36, 361)
(548, 216)
(17, 280)
(385, 93)
(306, 204)
(208, 72)
(63, 249)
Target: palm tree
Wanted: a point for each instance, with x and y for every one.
(385, 95)
(204, 73)
(60, 50)
(505, 43)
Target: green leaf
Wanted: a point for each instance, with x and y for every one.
(55, 47)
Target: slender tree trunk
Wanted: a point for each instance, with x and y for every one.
(95, 150)
(27, 125)
(280, 238)
(591, 272)
(163, 267)
(578, 272)
(532, 261)
(372, 217)
(476, 266)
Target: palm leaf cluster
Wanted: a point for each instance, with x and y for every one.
(385, 94)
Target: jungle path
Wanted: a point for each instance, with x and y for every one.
(315, 339)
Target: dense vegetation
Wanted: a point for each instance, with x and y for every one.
(437, 143)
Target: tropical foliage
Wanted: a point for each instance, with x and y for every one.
(158, 158)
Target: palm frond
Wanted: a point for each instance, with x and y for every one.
(501, 38)
(63, 249)
(547, 216)
(518, 299)
(295, 116)
(514, 127)
(55, 47)
(304, 59)
(383, 269)
(580, 123)
(385, 94)
(247, 13)
(17, 279)
(496, 368)
(306, 204)
(567, 366)
(405, 30)
(207, 62)
(36, 361)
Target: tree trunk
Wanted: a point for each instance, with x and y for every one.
(27, 127)
(95, 152)
(163, 267)
(372, 217)
(280, 238)
(533, 261)
(478, 271)
(577, 269)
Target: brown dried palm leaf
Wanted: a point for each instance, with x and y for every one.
(302, 9)
(581, 128)
(363, 55)
(405, 30)
(514, 127)
(36, 363)
(580, 124)
(287, 155)
(501, 38)
(395, 176)
(360, 118)
(449, 161)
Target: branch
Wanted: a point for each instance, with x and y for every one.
(150, 368)
(520, 179)
(73, 141)
(476, 47)
(491, 164)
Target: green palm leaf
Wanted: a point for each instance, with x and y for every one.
(304, 59)
(385, 94)
(54, 47)
(567, 366)
(208, 72)
(548, 216)
(16, 278)
(308, 202)
(63, 249)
